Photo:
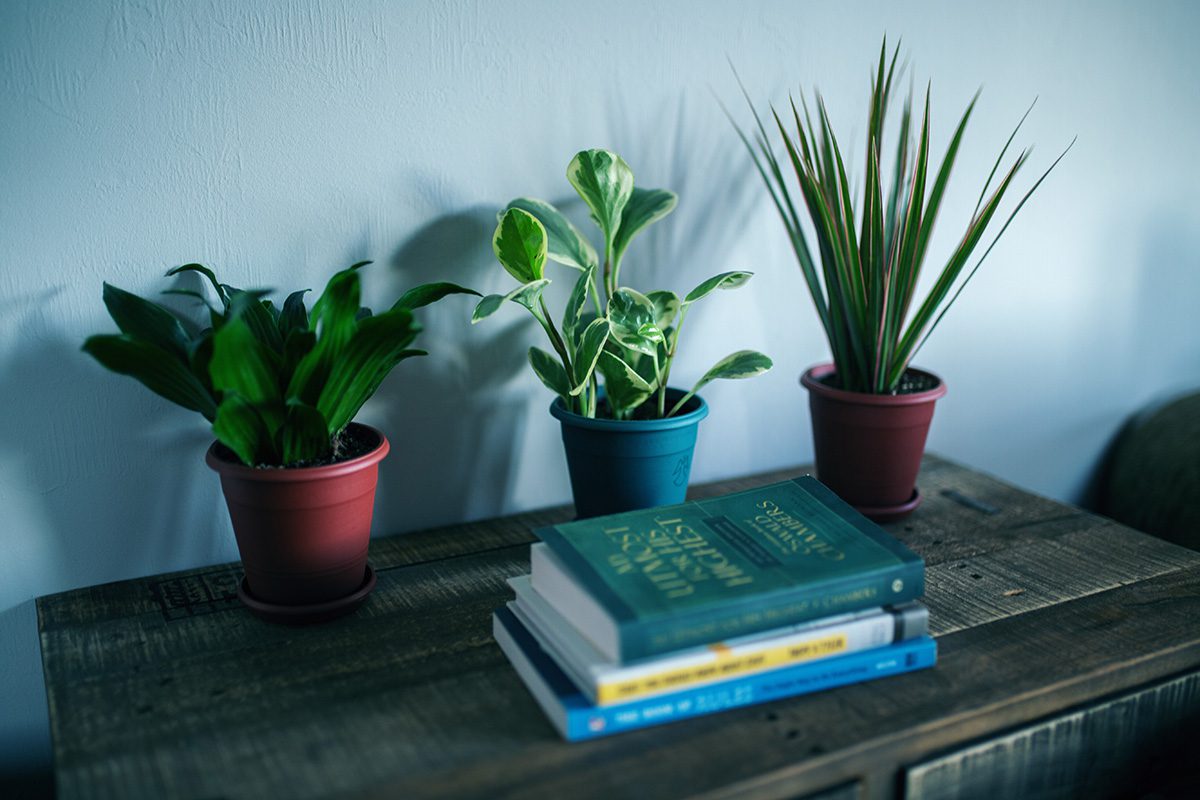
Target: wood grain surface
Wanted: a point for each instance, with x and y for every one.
(166, 687)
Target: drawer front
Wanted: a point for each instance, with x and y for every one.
(1125, 745)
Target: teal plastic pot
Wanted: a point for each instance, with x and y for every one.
(622, 465)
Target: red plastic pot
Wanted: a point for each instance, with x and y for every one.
(302, 533)
(869, 446)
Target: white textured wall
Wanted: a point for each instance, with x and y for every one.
(279, 141)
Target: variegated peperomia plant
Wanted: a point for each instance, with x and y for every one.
(608, 331)
(278, 385)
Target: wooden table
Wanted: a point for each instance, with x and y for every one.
(1069, 666)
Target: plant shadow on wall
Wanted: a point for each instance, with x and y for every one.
(456, 422)
(105, 470)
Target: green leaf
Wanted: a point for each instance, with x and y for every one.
(294, 316)
(590, 344)
(239, 427)
(633, 321)
(624, 388)
(207, 273)
(726, 280)
(564, 242)
(550, 371)
(527, 295)
(735, 366)
(645, 206)
(334, 320)
(376, 347)
(242, 365)
(520, 244)
(158, 370)
(305, 434)
(299, 344)
(144, 320)
(576, 303)
(666, 307)
(257, 315)
(605, 183)
(427, 293)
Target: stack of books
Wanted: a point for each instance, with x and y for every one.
(646, 617)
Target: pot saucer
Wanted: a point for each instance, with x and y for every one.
(310, 613)
(892, 513)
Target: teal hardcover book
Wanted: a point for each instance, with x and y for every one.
(643, 583)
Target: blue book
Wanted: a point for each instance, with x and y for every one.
(576, 718)
(643, 583)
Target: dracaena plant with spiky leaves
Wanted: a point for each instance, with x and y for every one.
(279, 385)
(608, 331)
(863, 274)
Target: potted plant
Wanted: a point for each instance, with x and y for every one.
(870, 408)
(281, 387)
(628, 434)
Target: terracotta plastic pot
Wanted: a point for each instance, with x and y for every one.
(622, 465)
(869, 446)
(302, 533)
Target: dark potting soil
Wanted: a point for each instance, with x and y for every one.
(647, 410)
(353, 442)
(911, 382)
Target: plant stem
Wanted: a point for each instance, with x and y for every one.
(666, 376)
(556, 340)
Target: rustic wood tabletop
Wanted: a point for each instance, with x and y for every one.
(1051, 622)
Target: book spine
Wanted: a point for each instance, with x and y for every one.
(896, 584)
(914, 654)
(724, 662)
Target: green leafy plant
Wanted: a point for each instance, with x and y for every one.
(868, 256)
(608, 331)
(279, 385)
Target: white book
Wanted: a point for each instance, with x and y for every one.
(607, 682)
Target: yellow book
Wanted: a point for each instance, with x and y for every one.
(608, 683)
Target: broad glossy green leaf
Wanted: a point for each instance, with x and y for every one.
(305, 435)
(666, 307)
(144, 320)
(564, 242)
(427, 293)
(334, 320)
(239, 427)
(218, 287)
(624, 388)
(294, 316)
(243, 365)
(527, 295)
(257, 315)
(576, 303)
(644, 207)
(520, 244)
(591, 343)
(378, 345)
(605, 183)
(299, 343)
(158, 370)
(726, 280)
(550, 371)
(200, 352)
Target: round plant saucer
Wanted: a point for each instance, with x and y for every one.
(310, 613)
(892, 513)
